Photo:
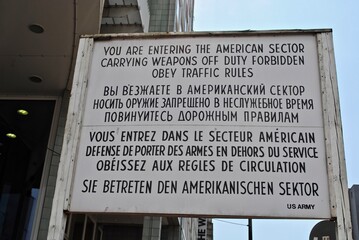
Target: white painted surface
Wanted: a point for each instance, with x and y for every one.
(285, 190)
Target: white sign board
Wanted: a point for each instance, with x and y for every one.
(202, 229)
(207, 125)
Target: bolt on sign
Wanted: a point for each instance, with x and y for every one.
(224, 124)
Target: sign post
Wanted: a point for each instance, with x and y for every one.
(220, 124)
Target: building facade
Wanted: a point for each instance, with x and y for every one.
(354, 209)
(37, 52)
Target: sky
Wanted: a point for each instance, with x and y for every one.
(342, 17)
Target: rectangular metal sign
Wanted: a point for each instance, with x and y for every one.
(204, 125)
